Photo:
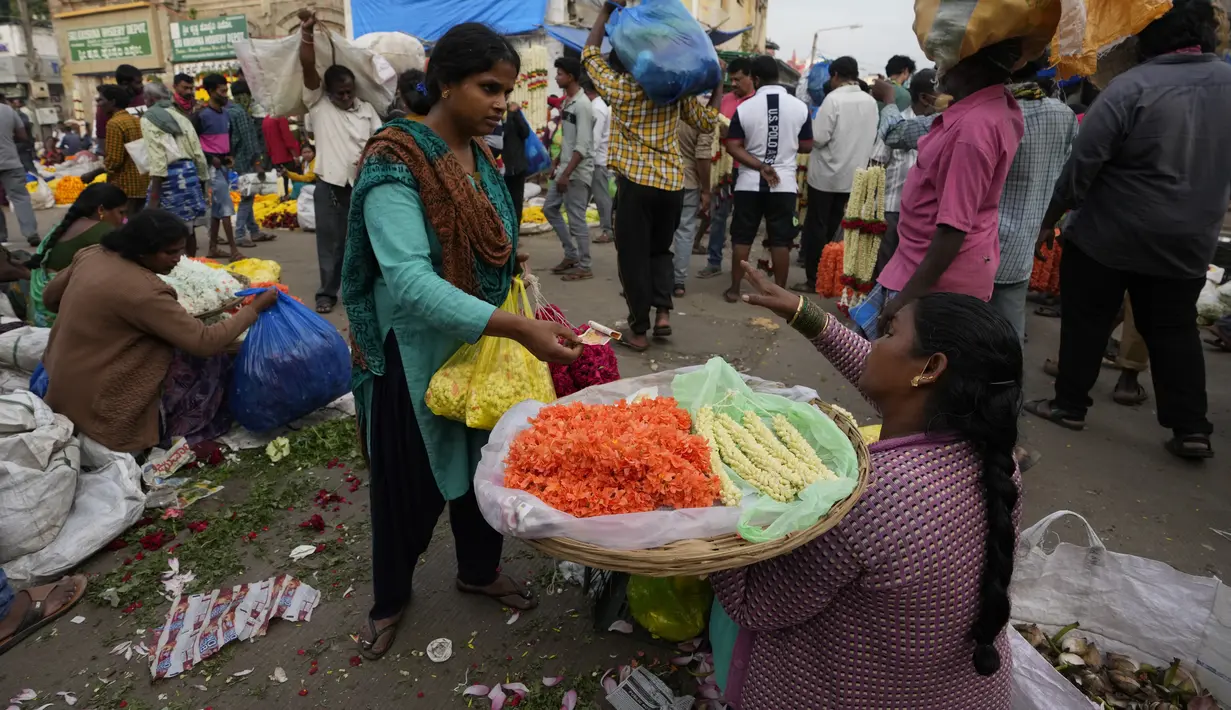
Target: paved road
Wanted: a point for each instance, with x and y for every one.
(1116, 473)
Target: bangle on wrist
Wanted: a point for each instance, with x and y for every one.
(798, 309)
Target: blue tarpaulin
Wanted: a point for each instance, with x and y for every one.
(723, 36)
(573, 37)
(430, 19)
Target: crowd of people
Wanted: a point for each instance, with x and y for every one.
(418, 236)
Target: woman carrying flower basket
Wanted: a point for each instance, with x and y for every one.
(429, 260)
(824, 626)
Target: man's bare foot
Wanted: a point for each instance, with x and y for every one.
(236, 255)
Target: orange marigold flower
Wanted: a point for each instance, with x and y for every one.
(604, 459)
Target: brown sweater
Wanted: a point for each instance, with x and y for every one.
(118, 327)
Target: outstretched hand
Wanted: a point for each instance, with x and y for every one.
(543, 339)
(768, 294)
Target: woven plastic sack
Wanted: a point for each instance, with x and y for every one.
(273, 72)
(257, 270)
(952, 30)
(1091, 34)
(403, 52)
(292, 363)
(482, 381)
(521, 514)
(1126, 604)
(672, 608)
(666, 50)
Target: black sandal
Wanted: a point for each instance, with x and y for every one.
(324, 307)
(1179, 446)
(366, 647)
(1130, 399)
(35, 618)
(1044, 409)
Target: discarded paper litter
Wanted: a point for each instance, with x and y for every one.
(643, 690)
(197, 626)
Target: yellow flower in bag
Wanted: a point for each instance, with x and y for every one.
(480, 382)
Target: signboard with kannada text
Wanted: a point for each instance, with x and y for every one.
(215, 38)
(123, 41)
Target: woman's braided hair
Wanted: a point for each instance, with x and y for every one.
(978, 396)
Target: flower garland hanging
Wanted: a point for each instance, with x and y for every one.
(829, 273)
(862, 226)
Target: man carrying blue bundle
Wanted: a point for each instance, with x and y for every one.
(645, 156)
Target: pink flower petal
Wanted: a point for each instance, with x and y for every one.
(703, 668)
(610, 685)
(497, 697)
(513, 619)
(690, 645)
(477, 691)
(625, 672)
(569, 701)
(682, 661)
(520, 689)
(552, 681)
(709, 692)
(622, 626)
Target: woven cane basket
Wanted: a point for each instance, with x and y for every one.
(712, 554)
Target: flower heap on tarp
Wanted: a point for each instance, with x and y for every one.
(596, 366)
(863, 227)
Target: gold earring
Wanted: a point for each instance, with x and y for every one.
(444, 94)
(914, 381)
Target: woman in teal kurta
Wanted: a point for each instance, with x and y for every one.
(430, 256)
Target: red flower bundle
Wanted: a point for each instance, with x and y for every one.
(604, 459)
(1045, 277)
(596, 366)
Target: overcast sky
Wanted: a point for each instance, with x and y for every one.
(886, 30)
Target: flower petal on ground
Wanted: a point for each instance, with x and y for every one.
(550, 681)
(569, 701)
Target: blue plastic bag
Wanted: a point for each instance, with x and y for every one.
(39, 381)
(292, 363)
(536, 155)
(666, 50)
(818, 80)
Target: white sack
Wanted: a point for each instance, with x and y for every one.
(305, 208)
(22, 348)
(403, 52)
(39, 460)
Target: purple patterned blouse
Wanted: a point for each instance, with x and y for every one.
(877, 612)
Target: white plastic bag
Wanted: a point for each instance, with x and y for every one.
(1210, 306)
(521, 514)
(107, 502)
(403, 52)
(1224, 294)
(305, 208)
(272, 69)
(42, 198)
(22, 348)
(39, 460)
(1132, 605)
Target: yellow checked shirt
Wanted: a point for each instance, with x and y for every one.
(644, 137)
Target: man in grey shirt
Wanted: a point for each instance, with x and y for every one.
(573, 171)
(13, 174)
(1151, 173)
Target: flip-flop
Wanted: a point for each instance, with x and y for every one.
(33, 619)
(324, 307)
(662, 331)
(1177, 445)
(1047, 311)
(265, 237)
(1043, 409)
(679, 292)
(521, 600)
(1130, 399)
(366, 647)
(635, 348)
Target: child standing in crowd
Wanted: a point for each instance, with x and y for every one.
(213, 125)
(251, 184)
(304, 173)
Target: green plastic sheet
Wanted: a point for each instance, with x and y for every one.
(762, 519)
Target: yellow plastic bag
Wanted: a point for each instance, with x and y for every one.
(672, 608)
(1089, 27)
(257, 270)
(951, 30)
(480, 382)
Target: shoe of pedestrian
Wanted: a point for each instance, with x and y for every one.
(804, 287)
(563, 266)
(246, 243)
(709, 272)
(577, 274)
